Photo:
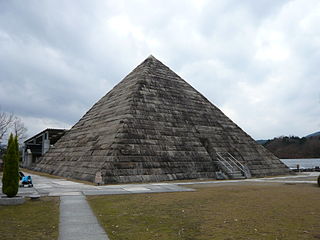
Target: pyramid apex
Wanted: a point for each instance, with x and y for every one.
(151, 57)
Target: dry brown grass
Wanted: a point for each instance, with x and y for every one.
(33, 220)
(263, 211)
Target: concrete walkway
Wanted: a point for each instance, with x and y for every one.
(77, 221)
(76, 218)
(45, 186)
(56, 187)
(304, 177)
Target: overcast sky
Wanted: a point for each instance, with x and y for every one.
(258, 61)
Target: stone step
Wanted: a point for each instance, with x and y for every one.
(237, 176)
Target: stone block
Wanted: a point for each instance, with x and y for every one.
(5, 201)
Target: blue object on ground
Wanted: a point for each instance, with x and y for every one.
(26, 180)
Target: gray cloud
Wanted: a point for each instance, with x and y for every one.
(256, 60)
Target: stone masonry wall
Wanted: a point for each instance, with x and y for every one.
(152, 127)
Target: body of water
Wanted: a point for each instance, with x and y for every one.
(303, 162)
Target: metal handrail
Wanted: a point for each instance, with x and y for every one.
(227, 163)
(241, 166)
(233, 160)
(223, 163)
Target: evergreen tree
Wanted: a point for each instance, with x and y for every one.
(16, 142)
(10, 178)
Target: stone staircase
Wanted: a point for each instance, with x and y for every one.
(231, 167)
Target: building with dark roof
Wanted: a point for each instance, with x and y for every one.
(36, 146)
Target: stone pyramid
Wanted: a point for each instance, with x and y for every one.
(154, 126)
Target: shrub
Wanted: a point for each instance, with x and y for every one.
(10, 178)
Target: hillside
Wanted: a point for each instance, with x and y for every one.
(262, 141)
(314, 134)
(294, 147)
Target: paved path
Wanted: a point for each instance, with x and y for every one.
(77, 222)
(76, 218)
(45, 186)
(303, 177)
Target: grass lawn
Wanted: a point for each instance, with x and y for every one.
(260, 211)
(37, 219)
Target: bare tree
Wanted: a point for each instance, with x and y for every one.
(6, 121)
(12, 123)
(19, 129)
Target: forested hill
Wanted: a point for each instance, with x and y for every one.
(294, 147)
(314, 134)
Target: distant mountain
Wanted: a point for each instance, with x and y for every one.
(261, 141)
(313, 134)
(294, 147)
